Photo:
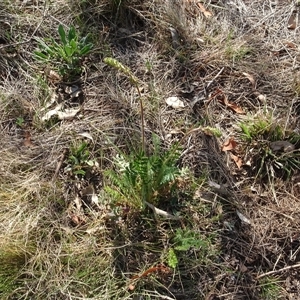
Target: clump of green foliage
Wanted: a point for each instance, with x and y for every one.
(10, 265)
(260, 134)
(270, 288)
(141, 178)
(234, 50)
(79, 159)
(66, 56)
(183, 241)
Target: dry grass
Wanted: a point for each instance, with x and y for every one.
(55, 244)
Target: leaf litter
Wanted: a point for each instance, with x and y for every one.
(222, 98)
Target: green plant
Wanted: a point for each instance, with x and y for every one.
(269, 289)
(264, 136)
(234, 50)
(79, 159)
(20, 121)
(259, 128)
(142, 178)
(186, 239)
(183, 241)
(213, 131)
(66, 56)
(10, 265)
(172, 258)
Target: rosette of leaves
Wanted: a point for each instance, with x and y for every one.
(65, 56)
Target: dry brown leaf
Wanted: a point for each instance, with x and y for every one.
(54, 76)
(291, 45)
(250, 77)
(237, 160)
(27, 140)
(235, 108)
(292, 22)
(206, 12)
(77, 219)
(229, 145)
(223, 99)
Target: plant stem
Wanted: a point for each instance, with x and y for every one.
(142, 118)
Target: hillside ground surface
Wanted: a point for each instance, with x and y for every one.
(220, 82)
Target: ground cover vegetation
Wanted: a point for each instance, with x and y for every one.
(150, 149)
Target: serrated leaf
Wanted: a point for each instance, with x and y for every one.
(172, 259)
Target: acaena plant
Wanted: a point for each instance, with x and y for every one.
(65, 56)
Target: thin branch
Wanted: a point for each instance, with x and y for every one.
(59, 163)
(162, 213)
(211, 81)
(278, 271)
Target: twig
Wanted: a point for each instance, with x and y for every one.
(162, 212)
(59, 163)
(278, 271)
(210, 82)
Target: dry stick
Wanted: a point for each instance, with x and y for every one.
(162, 212)
(210, 82)
(277, 271)
(61, 159)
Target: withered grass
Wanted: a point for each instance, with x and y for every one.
(51, 247)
